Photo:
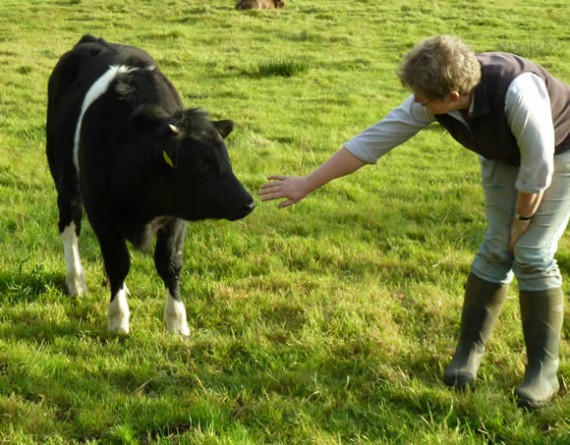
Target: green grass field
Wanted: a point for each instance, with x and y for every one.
(329, 322)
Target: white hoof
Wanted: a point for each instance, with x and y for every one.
(119, 313)
(75, 283)
(175, 317)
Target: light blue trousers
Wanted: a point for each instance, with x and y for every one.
(533, 261)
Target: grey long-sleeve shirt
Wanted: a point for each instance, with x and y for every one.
(527, 107)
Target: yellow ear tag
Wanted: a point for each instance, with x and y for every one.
(167, 158)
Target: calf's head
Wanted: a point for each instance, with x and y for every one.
(192, 175)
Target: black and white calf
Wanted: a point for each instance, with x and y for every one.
(120, 144)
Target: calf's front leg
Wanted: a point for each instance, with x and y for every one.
(168, 263)
(117, 263)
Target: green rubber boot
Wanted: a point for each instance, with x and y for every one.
(542, 317)
(482, 305)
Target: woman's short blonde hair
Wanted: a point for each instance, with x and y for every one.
(439, 65)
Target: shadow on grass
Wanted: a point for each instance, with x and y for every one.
(272, 388)
(27, 286)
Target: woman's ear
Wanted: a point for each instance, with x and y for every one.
(454, 96)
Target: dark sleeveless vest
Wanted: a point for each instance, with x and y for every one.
(489, 134)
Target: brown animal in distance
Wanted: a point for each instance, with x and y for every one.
(260, 4)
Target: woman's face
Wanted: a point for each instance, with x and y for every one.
(452, 101)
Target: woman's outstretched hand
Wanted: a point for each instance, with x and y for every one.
(295, 188)
(292, 188)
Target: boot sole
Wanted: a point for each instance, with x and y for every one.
(460, 382)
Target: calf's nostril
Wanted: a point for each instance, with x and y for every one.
(250, 206)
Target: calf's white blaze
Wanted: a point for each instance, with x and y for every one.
(175, 316)
(99, 87)
(75, 276)
(119, 312)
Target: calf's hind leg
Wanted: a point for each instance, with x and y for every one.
(70, 213)
(168, 263)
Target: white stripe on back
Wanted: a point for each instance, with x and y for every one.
(98, 88)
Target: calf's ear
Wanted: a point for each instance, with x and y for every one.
(148, 118)
(224, 127)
